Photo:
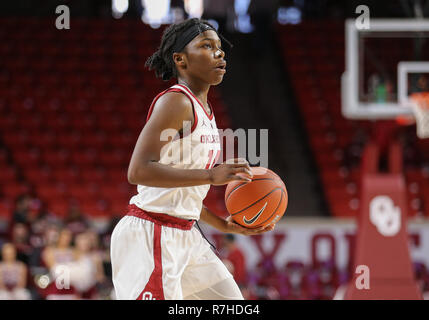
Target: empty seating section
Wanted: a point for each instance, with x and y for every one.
(72, 105)
(314, 57)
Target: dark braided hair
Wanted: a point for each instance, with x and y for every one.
(162, 60)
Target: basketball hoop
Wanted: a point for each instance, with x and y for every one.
(420, 106)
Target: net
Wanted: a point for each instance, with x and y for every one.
(420, 105)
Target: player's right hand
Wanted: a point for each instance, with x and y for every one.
(236, 169)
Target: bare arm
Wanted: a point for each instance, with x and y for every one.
(169, 112)
(23, 279)
(100, 276)
(48, 257)
(228, 225)
(2, 286)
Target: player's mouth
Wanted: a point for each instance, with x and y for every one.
(221, 67)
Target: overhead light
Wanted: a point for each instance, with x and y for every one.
(119, 7)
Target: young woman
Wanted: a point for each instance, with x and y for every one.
(87, 269)
(156, 253)
(13, 275)
(58, 252)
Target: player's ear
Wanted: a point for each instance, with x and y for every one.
(179, 60)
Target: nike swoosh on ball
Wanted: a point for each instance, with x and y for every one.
(256, 215)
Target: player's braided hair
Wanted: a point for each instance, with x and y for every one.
(162, 60)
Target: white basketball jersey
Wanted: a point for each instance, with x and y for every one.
(198, 147)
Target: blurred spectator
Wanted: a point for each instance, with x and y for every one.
(380, 89)
(374, 81)
(87, 269)
(106, 235)
(418, 83)
(295, 272)
(381, 92)
(22, 209)
(48, 237)
(51, 236)
(13, 276)
(75, 221)
(101, 252)
(328, 279)
(105, 244)
(60, 253)
(94, 241)
(20, 240)
(44, 218)
(56, 258)
(234, 256)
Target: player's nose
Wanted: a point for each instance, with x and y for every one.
(219, 53)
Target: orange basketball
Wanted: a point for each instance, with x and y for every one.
(257, 203)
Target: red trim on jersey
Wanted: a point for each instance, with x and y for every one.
(161, 219)
(153, 289)
(174, 90)
(199, 102)
(149, 113)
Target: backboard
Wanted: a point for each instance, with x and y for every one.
(384, 65)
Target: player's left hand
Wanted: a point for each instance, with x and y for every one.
(233, 227)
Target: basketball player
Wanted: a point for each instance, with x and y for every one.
(156, 252)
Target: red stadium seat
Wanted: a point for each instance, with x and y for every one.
(96, 209)
(122, 191)
(19, 139)
(113, 159)
(7, 174)
(51, 191)
(6, 209)
(56, 158)
(44, 139)
(116, 175)
(24, 157)
(59, 207)
(69, 140)
(73, 113)
(39, 175)
(13, 189)
(85, 158)
(98, 176)
(65, 174)
(119, 207)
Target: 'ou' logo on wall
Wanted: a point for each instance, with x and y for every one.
(147, 296)
(385, 216)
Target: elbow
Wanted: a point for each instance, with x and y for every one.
(131, 176)
(136, 175)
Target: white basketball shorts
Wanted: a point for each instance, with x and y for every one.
(156, 256)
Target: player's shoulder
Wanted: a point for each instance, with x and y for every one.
(173, 101)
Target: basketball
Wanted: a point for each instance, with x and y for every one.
(258, 203)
